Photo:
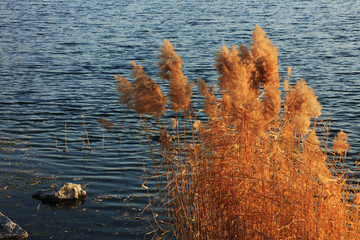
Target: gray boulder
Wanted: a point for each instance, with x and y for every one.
(69, 191)
(10, 230)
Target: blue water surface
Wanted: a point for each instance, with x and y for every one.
(57, 62)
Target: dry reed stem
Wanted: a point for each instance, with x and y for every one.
(105, 124)
(66, 140)
(56, 145)
(86, 133)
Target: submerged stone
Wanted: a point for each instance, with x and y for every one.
(10, 230)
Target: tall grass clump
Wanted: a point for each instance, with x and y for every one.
(254, 167)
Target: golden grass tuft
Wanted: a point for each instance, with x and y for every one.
(253, 169)
(340, 145)
(145, 96)
(171, 65)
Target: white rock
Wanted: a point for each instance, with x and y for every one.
(10, 230)
(69, 191)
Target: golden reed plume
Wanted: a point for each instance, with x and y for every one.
(171, 65)
(145, 96)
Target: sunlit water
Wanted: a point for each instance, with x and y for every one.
(57, 61)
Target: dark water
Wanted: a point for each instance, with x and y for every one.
(57, 61)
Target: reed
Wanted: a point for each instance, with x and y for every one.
(87, 144)
(66, 146)
(105, 124)
(256, 167)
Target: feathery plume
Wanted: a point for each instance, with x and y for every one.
(105, 123)
(198, 125)
(301, 105)
(126, 92)
(171, 65)
(234, 76)
(244, 54)
(148, 96)
(340, 144)
(144, 95)
(174, 123)
(203, 88)
(265, 57)
(210, 99)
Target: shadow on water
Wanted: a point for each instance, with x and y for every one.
(65, 204)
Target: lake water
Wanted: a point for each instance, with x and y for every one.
(57, 61)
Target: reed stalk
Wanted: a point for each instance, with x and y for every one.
(56, 145)
(66, 147)
(86, 133)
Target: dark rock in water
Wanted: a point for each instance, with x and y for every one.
(10, 230)
(164, 137)
(68, 196)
